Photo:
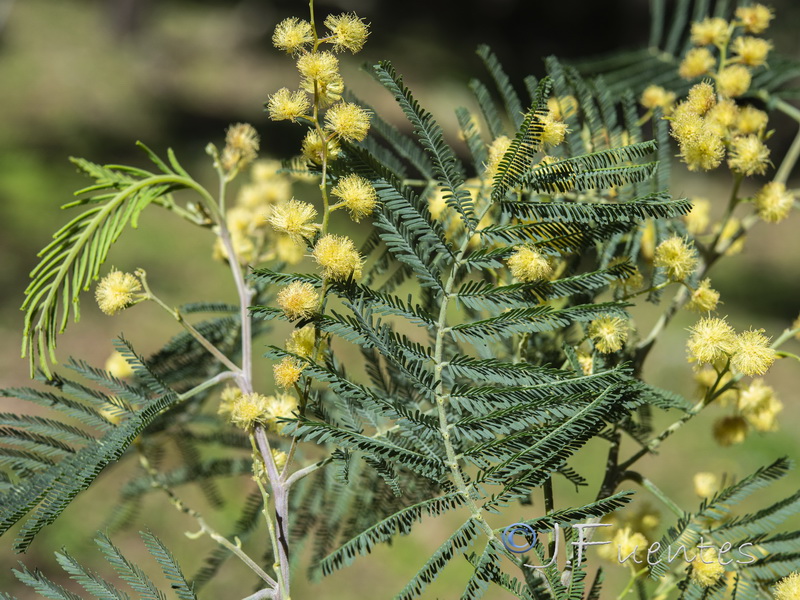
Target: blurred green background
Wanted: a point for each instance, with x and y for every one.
(88, 78)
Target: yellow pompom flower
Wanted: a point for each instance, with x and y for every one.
(628, 542)
(295, 219)
(528, 264)
(287, 372)
(357, 195)
(117, 366)
(608, 333)
(347, 120)
(685, 123)
(730, 430)
(321, 67)
(302, 341)
(586, 362)
(711, 339)
(292, 34)
(349, 32)
(751, 120)
(677, 257)
(773, 202)
(751, 51)
(241, 147)
(755, 18)
(712, 30)
(699, 217)
(117, 291)
(298, 300)
(748, 155)
(705, 484)
(788, 588)
(703, 151)
(327, 91)
(497, 150)
(756, 397)
(733, 81)
(227, 399)
(553, 131)
(706, 568)
(704, 298)
(249, 409)
(314, 147)
(280, 406)
(338, 257)
(766, 419)
(697, 62)
(287, 105)
(656, 96)
(752, 354)
(701, 98)
(723, 116)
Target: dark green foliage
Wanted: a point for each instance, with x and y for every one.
(762, 556)
(130, 573)
(73, 259)
(658, 63)
(52, 485)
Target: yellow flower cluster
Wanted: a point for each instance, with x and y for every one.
(629, 533)
(247, 410)
(730, 430)
(655, 96)
(117, 366)
(677, 257)
(241, 148)
(338, 257)
(705, 128)
(706, 484)
(788, 588)
(287, 372)
(704, 298)
(357, 196)
(301, 341)
(708, 123)
(294, 219)
(774, 202)
(706, 568)
(713, 340)
(760, 406)
(698, 219)
(608, 333)
(528, 264)
(321, 84)
(117, 291)
(247, 219)
(298, 300)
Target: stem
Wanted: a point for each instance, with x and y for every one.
(656, 491)
(441, 396)
(732, 202)
(207, 384)
(280, 495)
(204, 527)
(186, 325)
(245, 294)
(300, 473)
(634, 576)
(789, 160)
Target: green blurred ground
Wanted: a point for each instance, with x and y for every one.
(72, 85)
